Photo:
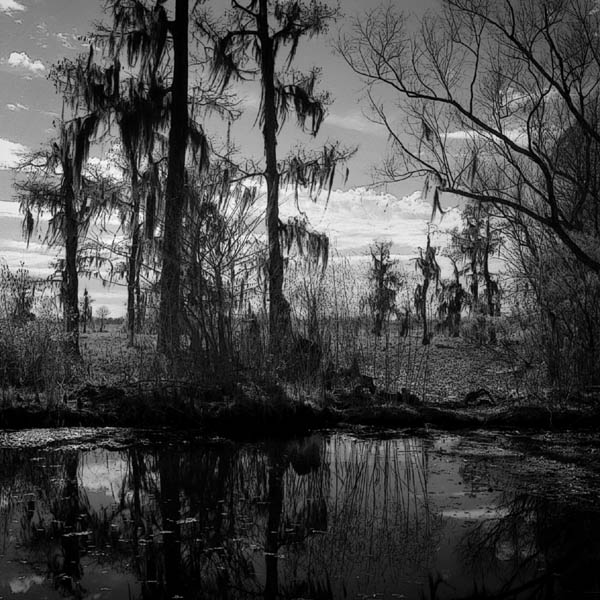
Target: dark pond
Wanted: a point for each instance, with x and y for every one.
(328, 516)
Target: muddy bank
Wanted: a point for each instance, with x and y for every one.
(252, 410)
(519, 417)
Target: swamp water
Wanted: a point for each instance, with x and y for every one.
(328, 516)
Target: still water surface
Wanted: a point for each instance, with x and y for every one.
(328, 516)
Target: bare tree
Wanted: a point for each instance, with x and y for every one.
(220, 249)
(488, 89)
(102, 313)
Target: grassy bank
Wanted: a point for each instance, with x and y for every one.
(389, 381)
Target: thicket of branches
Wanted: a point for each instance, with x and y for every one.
(500, 105)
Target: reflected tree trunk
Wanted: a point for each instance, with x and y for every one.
(66, 566)
(168, 466)
(276, 491)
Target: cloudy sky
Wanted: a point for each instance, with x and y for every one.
(37, 33)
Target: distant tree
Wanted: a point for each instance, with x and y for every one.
(385, 280)
(473, 245)
(451, 298)
(102, 313)
(86, 310)
(17, 293)
(249, 47)
(427, 265)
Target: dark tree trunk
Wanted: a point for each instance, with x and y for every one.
(279, 310)
(379, 310)
(86, 310)
(489, 291)
(70, 283)
(133, 270)
(169, 327)
(475, 282)
(423, 307)
(169, 467)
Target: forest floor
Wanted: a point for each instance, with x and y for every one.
(449, 383)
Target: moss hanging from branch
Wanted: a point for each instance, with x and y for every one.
(314, 171)
(309, 244)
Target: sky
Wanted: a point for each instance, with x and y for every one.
(36, 33)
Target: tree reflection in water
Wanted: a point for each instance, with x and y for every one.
(543, 548)
(319, 517)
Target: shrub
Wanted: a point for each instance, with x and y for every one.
(33, 349)
(385, 281)
(34, 355)
(557, 301)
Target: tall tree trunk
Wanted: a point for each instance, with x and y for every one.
(279, 310)
(70, 283)
(489, 292)
(169, 327)
(423, 307)
(86, 309)
(475, 281)
(132, 269)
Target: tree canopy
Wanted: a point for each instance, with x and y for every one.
(489, 90)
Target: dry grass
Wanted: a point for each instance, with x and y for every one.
(445, 370)
(108, 360)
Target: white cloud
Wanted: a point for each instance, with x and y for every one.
(65, 40)
(354, 122)
(9, 210)
(22, 60)
(467, 134)
(17, 107)
(10, 153)
(518, 135)
(9, 6)
(353, 219)
(104, 167)
(38, 263)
